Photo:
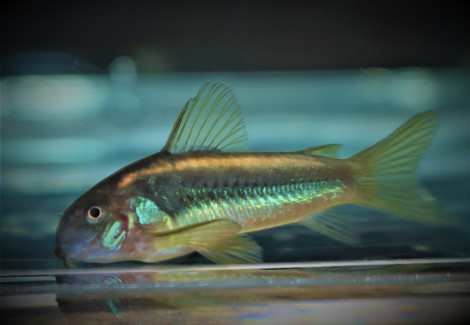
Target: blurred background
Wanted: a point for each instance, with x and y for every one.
(88, 87)
(189, 36)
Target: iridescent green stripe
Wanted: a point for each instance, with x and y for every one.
(204, 204)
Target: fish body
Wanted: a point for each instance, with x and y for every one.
(255, 190)
(196, 196)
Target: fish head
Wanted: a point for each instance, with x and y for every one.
(92, 229)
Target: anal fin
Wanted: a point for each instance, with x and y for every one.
(332, 223)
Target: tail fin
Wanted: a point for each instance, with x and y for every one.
(388, 170)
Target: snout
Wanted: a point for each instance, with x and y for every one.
(59, 250)
(78, 242)
(68, 242)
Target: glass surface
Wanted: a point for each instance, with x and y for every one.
(63, 133)
(380, 292)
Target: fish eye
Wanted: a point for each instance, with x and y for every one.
(94, 213)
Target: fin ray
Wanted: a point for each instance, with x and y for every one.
(327, 150)
(333, 223)
(388, 179)
(211, 121)
(237, 250)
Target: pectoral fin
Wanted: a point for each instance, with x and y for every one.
(218, 241)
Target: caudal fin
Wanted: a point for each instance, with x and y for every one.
(387, 176)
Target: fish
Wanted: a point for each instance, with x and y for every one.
(202, 193)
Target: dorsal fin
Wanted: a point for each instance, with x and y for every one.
(327, 150)
(211, 121)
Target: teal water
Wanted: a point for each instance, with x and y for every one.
(61, 134)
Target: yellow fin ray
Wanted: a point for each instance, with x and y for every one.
(333, 223)
(327, 150)
(211, 121)
(388, 179)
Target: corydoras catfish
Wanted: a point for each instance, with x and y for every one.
(200, 195)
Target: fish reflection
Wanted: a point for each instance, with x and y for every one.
(223, 296)
(129, 297)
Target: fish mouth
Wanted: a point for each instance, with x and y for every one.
(60, 253)
(62, 256)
